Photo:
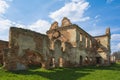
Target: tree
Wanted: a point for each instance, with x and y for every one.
(117, 55)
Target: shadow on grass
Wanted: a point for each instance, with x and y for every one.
(57, 74)
(67, 73)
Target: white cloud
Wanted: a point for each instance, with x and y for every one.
(74, 10)
(96, 32)
(5, 24)
(4, 37)
(119, 45)
(115, 37)
(115, 46)
(3, 6)
(109, 1)
(115, 42)
(40, 26)
(114, 29)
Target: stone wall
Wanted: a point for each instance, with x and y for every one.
(26, 48)
(74, 43)
(82, 49)
(104, 47)
(3, 45)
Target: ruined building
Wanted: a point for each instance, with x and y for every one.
(64, 46)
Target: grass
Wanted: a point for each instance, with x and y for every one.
(83, 73)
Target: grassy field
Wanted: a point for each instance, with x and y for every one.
(84, 73)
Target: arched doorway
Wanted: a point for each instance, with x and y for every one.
(98, 60)
(33, 59)
(52, 62)
(60, 62)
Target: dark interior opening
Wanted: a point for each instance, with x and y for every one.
(98, 60)
(35, 66)
(81, 60)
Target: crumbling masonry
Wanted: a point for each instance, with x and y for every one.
(64, 46)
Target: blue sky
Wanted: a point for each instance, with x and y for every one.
(94, 16)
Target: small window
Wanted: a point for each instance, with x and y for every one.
(90, 43)
(80, 36)
(86, 42)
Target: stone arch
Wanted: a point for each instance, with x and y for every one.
(52, 62)
(34, 58)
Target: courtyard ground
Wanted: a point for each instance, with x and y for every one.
(83, 73)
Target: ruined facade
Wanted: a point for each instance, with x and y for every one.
(64, 46)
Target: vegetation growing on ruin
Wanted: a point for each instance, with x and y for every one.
(83, 73)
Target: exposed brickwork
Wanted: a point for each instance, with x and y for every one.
(3, 45)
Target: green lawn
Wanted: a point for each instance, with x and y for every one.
(84, 73)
